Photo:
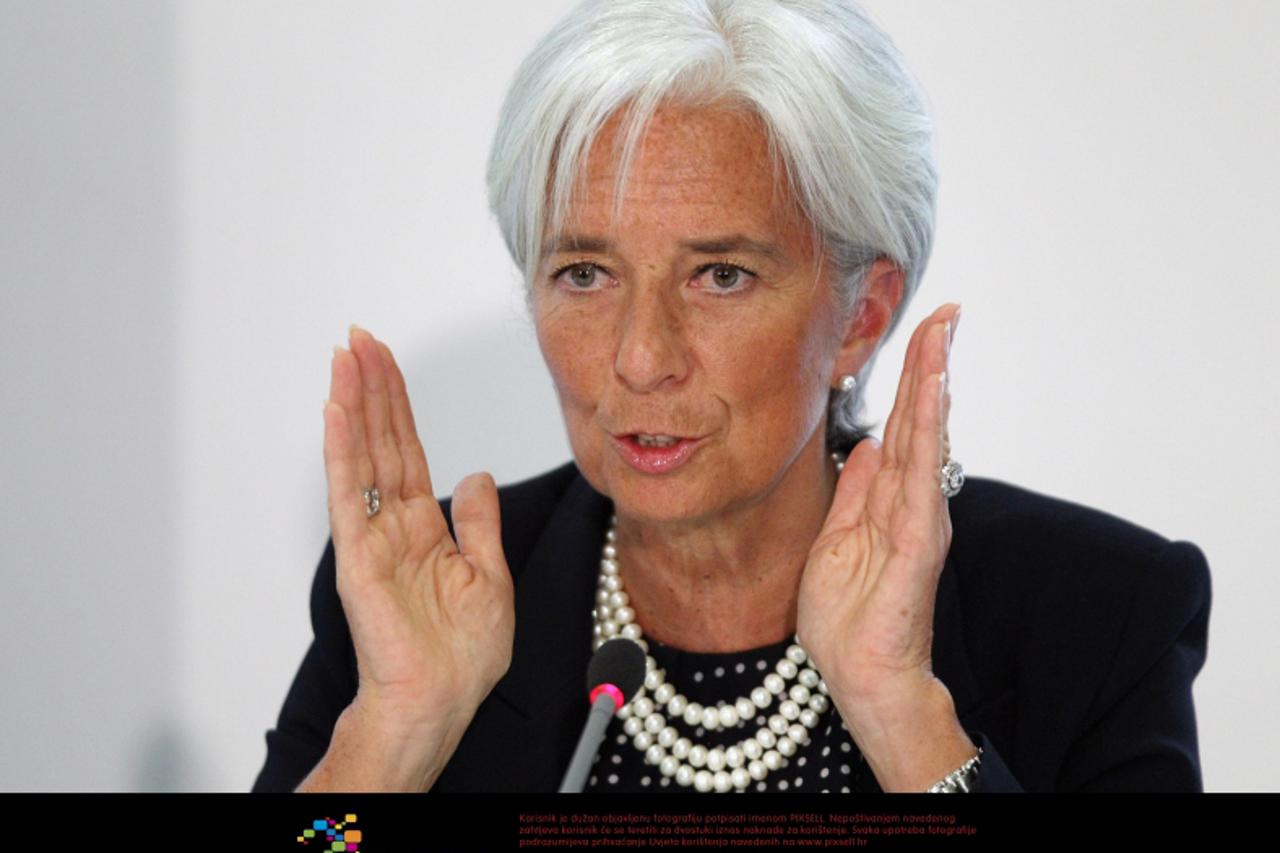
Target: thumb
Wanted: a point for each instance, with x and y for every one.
(852, 487)
(477, 524)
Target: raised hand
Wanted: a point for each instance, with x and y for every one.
(869, 587)
(432, 620)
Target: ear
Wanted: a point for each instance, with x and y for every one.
(871, 317)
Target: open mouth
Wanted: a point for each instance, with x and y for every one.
(655, 453)
(655, 440)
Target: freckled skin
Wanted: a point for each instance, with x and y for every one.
(637, 338)
(654, 347)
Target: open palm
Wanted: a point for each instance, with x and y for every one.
(867, 595)
(432, 620)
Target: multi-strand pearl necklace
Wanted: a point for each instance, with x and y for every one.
(800, 704)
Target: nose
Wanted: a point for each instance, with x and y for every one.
(652, 350)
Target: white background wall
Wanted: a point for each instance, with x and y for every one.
(196, 198)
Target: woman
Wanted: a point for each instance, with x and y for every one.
(722, 209)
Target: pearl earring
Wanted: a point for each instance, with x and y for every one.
(848, 382)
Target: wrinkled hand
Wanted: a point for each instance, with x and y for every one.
(432, 621)
(867, 595)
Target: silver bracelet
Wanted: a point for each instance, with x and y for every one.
(960, 780)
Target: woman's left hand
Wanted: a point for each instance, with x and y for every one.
(866, 605)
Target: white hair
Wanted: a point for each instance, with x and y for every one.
(845, 119)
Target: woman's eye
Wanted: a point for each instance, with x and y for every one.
(582, 275)
(726, 278)
(579, 276)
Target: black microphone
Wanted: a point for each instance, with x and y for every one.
(614, 675)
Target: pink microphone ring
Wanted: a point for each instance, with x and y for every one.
(618, 699)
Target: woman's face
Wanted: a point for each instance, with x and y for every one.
(692, 344)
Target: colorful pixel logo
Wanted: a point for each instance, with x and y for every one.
(335, 834)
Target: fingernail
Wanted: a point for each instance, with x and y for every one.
(948, 333)
(352, 329)
(955, 322)
(336, 349)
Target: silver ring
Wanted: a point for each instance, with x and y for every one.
(952, 478)
(372, 502)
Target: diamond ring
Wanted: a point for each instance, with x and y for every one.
(952, 478)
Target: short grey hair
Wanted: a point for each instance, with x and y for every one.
(846, 123)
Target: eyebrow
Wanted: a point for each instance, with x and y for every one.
(710, 246)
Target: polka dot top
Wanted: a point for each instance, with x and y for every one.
(829, 763)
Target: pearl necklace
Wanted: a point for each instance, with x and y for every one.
(716, 768)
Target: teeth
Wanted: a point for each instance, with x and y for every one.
(655, 440)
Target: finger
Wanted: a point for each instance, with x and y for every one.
(930, 358)
(387, 470)
(946, 416)
(477, 523)
(946, 390)
(413, 460)
(347, 390)
(347, 514)
(850, 500)
(898, 428)
(923, 483)
(894, 424)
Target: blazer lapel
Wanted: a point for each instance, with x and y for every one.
(951, 662)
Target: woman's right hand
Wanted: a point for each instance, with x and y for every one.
(432, 621)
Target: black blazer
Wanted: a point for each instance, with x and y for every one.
(1069, 640)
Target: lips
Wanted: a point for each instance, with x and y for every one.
(655, 453)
